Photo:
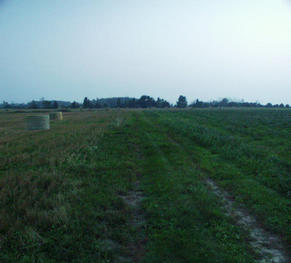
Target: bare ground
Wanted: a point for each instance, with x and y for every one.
(268, 245)
(133, 199)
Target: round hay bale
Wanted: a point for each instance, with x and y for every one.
(41, 122)
(56, 116)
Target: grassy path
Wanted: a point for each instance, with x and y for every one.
(183, 220)
(225, 160)
(264, 203)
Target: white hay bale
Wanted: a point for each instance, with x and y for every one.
(40, 122)
(56, 116)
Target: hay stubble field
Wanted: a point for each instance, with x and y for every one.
(147, 186)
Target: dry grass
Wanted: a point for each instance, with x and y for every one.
(35, 187)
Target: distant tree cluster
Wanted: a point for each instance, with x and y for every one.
(41, 104)
(227, 103)
(126, 102)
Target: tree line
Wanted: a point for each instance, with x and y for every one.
(144, 101)
(228, 103)
(125, 102)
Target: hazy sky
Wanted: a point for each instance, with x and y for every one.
(206, 49)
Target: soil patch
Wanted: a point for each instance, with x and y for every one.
(133, 199)
(268, 245)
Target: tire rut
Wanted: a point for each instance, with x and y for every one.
(133, 200)
(269, 246)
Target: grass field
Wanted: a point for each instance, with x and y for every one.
(130, 185)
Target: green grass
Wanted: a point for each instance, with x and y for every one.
(256, 175)
(61, 190)
(184, 221)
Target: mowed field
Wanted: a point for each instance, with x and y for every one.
(148, 186)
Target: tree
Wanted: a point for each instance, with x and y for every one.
(33, 105)
(197, 104)
(269, 105)
(182, 102)
(75, 105)
(97, 104)
(87, 103)
(224, 102)
(46, 104)
(161, 103)
(6, 105)
(118, 103)
(55, 105)
(132, 103)
(147, 101)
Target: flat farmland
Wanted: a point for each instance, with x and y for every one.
(203, 185)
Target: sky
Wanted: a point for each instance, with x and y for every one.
(69, 49)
